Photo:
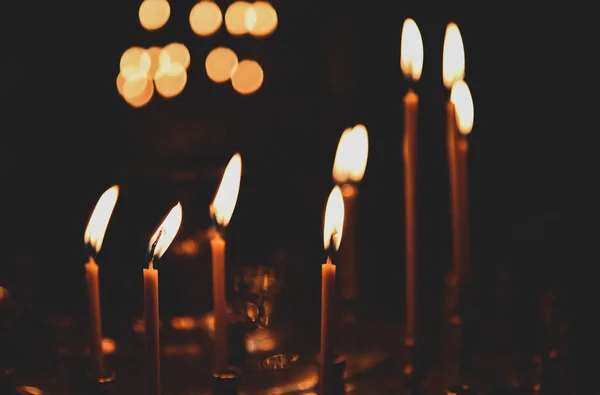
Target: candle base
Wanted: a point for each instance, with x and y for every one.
(101, 386)
(226, 383)
(338, 386)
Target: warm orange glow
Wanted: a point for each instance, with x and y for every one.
(334, 219)
(226, 197)
(171, 82)
(134, 61)
(167, 232)
(453, 57)
(155, 60)
(135, 85)
(96, 227)
(351, 156)
(260, 19)
(411, 50)
(178, 53)
(205, 18)
(108, 346)
(463, 104)
(220, 64)
(235, 18)
(120, 83)
(185, 323)
(153, 14)
(247, 77)
(143, 98)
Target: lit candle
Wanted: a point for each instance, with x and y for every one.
(93, 238)
(348, 170)
(221, 210)
(465, 114)
(332, 237)
(160, 241)
(453, 70)
(411, 62)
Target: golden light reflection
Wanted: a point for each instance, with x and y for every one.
(29, 390)
(120, 83)
(4, 294)
(134, 86)
(143, 98)
(235, 18)
(351, 155)
(96, 227)
(186, 323)
(134, 61)
(463, 104)
(167, 232)
(108, 346)
(205, 18)
(172, 350)
(153, 14)
(261, 340)
(453, 56)
(187, 247)
(220, 64)
(226, 197)
(171, 82)
(411, 50)
(334, 219)
(178, 53)
(260, 19)
(247, 77)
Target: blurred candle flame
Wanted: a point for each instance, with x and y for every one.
(167, 232)
(351, 155)
(334, 219)
(226, 197)
(460, 96)
(453, 57)
(411, 50)
(96, 227)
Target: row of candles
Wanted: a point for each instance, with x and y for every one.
(348, 170)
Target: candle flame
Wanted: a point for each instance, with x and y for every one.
(96, 227)
(351, 155)
(453, 56)
(226, 197)
(411, 50)
(334, 219)
(460, 96)
(166, 232)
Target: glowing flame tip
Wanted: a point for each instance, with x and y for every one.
(453, 56)
(96, 227)
(411, 50)
(166, 232)
(351, 155)
(460, 95)
(226, 197)
(334, 219)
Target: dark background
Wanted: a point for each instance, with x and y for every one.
(68, 136)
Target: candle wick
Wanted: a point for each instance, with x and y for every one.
(153, 248)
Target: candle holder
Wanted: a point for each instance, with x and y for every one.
(226, 383)
(102, 385)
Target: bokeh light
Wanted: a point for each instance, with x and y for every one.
(260, 19)
(205, 18)
(153, 14)
(220, 64)
(134, 61)
(247, 77)
(170, 83)
(178, 53)
(154, 53)
(235, 18)
(143, 98)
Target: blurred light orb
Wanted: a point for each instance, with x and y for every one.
(235, 18)
(220, 64)
(120, 83)
(177, 53)
(154, 53)
(247, 77)
(171, 82)
(206, 18)
(154, 14)
(260, 19)
(135, 85)
(135, 60)
(143, 98)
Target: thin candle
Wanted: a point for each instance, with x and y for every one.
(93, 238)
(348, 170)
(159, 243)
(221, 210)
(453, 70)
(332, 237)
(411, 63)
(465, 114)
